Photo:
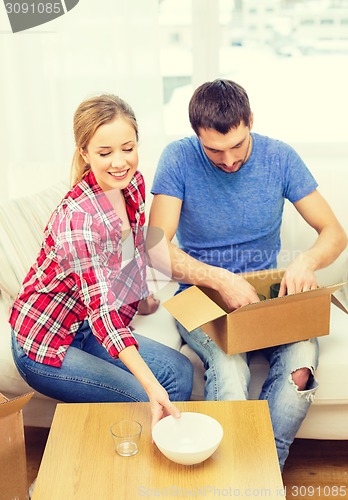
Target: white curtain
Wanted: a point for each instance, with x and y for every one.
(105, 46)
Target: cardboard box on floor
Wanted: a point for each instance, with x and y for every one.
(13, 465)
(255, 326)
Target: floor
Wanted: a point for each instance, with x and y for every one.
(314, 470)
(317, 469)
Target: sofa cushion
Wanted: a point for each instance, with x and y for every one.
(161, 325)
(10, 380)
(22, 222)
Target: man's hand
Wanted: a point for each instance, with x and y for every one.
(299, 277)
(235, 290)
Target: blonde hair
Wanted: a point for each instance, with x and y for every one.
(89, 116)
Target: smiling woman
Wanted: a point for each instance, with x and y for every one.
(106, 137)
(115, 163)
(111, 153)
(71, 333)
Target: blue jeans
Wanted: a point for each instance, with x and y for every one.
(227, 378)
(90, 374)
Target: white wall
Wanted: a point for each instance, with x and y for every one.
(328, 163)
(104, 46)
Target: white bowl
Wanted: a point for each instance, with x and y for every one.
(188, 440)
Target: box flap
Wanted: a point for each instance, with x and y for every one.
(192, 308)
(338, 303)
(10, 406)
(336, 286)
(3, 399)
(197, 306)
(309, 294)
(262, 280)
(271, 275)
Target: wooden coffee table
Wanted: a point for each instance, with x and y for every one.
(80, 462)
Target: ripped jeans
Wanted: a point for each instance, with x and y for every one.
(227, 377)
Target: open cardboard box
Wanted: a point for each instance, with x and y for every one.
(255, 326)
(13, 465)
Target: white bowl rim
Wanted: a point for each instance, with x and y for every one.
(188, 414)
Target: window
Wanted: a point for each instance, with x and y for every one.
(290, 57)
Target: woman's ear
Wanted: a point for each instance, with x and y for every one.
(84, 155)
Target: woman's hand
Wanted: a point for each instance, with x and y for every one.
(160, 404)
(148, 305)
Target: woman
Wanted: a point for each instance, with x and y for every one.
(71, 338)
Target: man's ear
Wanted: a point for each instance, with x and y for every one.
(84, 155)
(251, 120)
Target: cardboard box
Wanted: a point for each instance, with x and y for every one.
(13, 464)
(255, 326)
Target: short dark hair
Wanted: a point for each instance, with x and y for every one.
(220, 105)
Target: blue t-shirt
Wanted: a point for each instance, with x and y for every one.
(232, 220)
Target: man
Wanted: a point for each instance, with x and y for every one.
(222, 193)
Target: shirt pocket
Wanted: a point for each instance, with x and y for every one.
(259, 215)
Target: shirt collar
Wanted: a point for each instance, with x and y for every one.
(129, 192)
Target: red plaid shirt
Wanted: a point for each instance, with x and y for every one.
(78, 275)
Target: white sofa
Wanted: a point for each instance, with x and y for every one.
(21, 225)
